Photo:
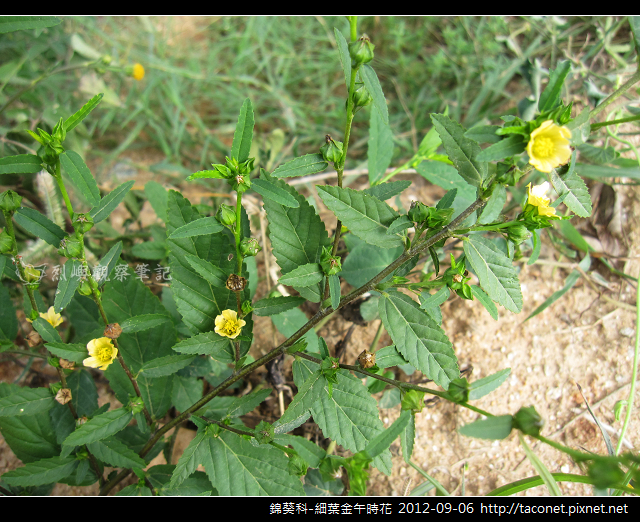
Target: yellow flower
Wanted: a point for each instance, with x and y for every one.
(536, 197)
(228, 324)
(102, 353)
(51, 317)
(549, 147)
(138, 71)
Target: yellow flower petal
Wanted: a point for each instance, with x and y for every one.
(549, 147)
(536, 197)
(102, 352)
(228, 324)
(52, 317)
(138, 71)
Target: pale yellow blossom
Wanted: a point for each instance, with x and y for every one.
(102, 353)
(549, 147)
(536, 197)
(228, 324)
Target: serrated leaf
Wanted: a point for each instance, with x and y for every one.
(486, 385)
(365, 262)
(495, 272)
(9, 24)
(494, 206)
(345, 58)
(308, 450)
(160, 476)
(109, 202)
(211, 273)
(573, 189)
(297, 234)
(247, 403)
(484, 133)
(580, 128)
(115, 453)
(67, 284)
(46, 471)
(27, 401)
(634, 22)
(385, 191)
(100, 427)
(186, 392)
(167, 365)
(431, 303)
(38, 225)
(510, 146)
(157, 196)
(72, 121)
(598, 155)
(334, 291)
(492, 428)
(273, 192)
(383, 440)
(140, 323)
(305, 275)
(289, 322)
(46, 331)
(407, 439)
(21, 164)
(209, 343)
(461, 150)
(243, 134)
(8, 319)
(275, 305)
(350, 416)
(316, 486)
(301, 166)
(389, 356)
(190, 459)
(550, 97)
(310, 391)
(150, 250)
(102, 271)
(485, 300)
(199, 227)
(71, 352)
(365, 216)
(380, 147)
(371, 82)
(399, 225)
(206, 174)
(419, 338)
(81, 176)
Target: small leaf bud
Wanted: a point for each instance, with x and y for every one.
(418, 212)
(518, 233)
(361, 96)
(413, 401)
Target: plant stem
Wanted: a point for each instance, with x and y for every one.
(615, 95)
(376, 339)
(63, 190)
(596, 126)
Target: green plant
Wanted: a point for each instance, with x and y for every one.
(154, 359)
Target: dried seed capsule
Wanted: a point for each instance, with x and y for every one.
(236, 283)
(113, 331)
(367, 359)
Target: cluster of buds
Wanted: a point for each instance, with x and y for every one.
(249, 247)
(50, 144)
(456, 278)
(429, 217)
(331, 265)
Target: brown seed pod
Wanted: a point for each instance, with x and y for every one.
(67, 365)
(367, 359)
(34, 339)
(63, 396)
(112, 331)
(236, 283)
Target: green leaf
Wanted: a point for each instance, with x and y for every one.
(271, 191)
(461, 150)
(140, 323)
(209, 343)
(290, 322)
(8, 319)
(385, 191)
(235, 467)
(531, 482)
(150, 250)
(371, 82)
(573, 190)
(389, 356)
(447, 177)
(167, 365)
(297, 234)
(72, 121)
(305, 275)
(431, 303)
(27, 401)
(67, 284)
(598, 155)
(38, 225)
(160, 477)
(71, 352)
(365, 216)
(399, 225)
(484, 133)
(310, 391)
(485, 300)
(334, 291)
(495, 272)
(211, 273)
(407, 439)
(580, 128)
(46, 331)
(243, 135)
(275, 305)
(21, 164)
(383, 440)
(494, 206)
(510, 146)
(9, 24)
(380, 147)
(634, 22)
(115, 453)
(199, 227)
(158, 197)
(247, 403)
(81, 176)
(345, 57)
(103, 270)
(206, 174)
(100, 427)
(186, 392)
(493, 428)
(316, 486)
(419, 338)
(109, 203)
(486, 385)
(46, 471)
(301, 166)
(365, 262)
(542, 470)
(308, 450)
(571, 280)
(190, 459)
(550, 97)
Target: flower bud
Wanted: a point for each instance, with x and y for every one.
(331, 265)
(264, 433)
(249, 247)
(247, 308)
(67, 365)
(518, 233)
(136, 405)
(246, 167)
(10, 201)
(332, 150)
(82, 223)
(361, 51)
(32, 274)
(413, 401)
(418, 212)
(226, 215)
(6, 243)
(459, 390)
(297, 466)
(70, 247)
(53, 361)
(107, 59)
(84, 288)
(361, 96)
(59, 133)
(240, 183)
(528, 421)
